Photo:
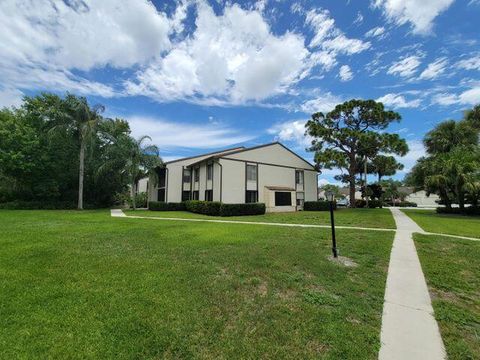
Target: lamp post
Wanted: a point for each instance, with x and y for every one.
(331, 197)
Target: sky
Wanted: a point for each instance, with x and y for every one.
(198, 76)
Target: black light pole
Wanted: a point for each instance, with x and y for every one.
(331, 197)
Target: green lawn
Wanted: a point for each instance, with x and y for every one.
(376, 218)
(461, 225)
(452, 270)
(83, 285)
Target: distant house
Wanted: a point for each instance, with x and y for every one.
(418, 197)
(270, 173)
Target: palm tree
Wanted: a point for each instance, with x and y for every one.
(138, 160)
(83, 120)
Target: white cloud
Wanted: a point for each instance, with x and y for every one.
(398, 101)
(434, 69)
(323, 103)
(291, 131)
(467, 97)
(232, 57)
(345, 73)
(419, 13)
(171, 135)
(378, 31)
(405, 67)
(472, 63)
(329, 41)
(42, 42)
(416, 151)
(10, 97)
(359, 19)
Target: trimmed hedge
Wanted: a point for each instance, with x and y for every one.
(320, 205)
(242, 209)
(403, 204)
(471, 210)
(163, 206)
(211, 208)
(39, 205)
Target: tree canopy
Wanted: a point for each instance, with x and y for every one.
(353, 129)
(40, 151)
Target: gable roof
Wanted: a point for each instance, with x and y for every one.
(244, 149)
(223, 152)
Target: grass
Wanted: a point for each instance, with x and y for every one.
(375, 218)
(452, 270)
(446, 223)
(83, 285)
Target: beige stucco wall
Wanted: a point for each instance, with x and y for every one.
(274, 154)
(233, 181)
(422, 200)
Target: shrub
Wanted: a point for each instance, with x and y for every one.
(211, 208)
(39, 205)
(163, 206)
(402, 204)
(360, 203)
(242, 209)
(320, 205)
(471, 210)
(374, 204)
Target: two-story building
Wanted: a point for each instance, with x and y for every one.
(270, 173)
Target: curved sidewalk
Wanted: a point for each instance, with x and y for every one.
(409, 329)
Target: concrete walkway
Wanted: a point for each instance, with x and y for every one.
(409, 330)
(117, 213)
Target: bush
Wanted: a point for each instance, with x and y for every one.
(211, 208)
(372, 204)
(163, 206)
(360, 203)
(320, 205)
(471, 210)
(403, 204)
(242, 209)
(39, 205)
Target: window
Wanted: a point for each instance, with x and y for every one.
(300, 199)
(283, 198)
(208, 195)
(185, 195)
(186, 175)
(195, 195)
(299, 177)
(161, 195)
(252, 172)
(251, 196)
(162, 176)
(197, 174)
(209, 171)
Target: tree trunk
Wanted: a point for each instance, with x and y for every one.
(81, 174)
(379, 178)
(133, 192)
(366, 190)
(351, 174)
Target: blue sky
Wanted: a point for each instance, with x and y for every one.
(202, 75)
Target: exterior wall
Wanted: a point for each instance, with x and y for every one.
(273, 154)
(422, 200)
(276, 167)
(233, 181)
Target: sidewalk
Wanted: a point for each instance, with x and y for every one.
(409, 329)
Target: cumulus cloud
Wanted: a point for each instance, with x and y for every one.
(416, 151)
(323, 103)
(398, 101)
(291, 131)
(345, 73)
(405, 67)
(419, 13)
(42, 42)
(231, 57)
(434, 69)
(170, 135)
